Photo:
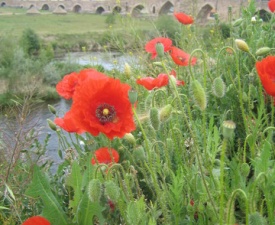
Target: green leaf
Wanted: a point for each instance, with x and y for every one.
(75, 181)
(40, 188)
(89, 210)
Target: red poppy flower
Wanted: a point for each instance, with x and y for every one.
(180, 57)
(36, 220)
(271, 5)
(266, 72)
(100, 105)
(68, 123)
(183, 18)
(103, 155)
(150, 83)
(178, 82)
(151, 45)
(66, 87)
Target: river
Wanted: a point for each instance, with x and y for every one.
(39, 115)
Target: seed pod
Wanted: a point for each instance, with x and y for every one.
(133, 95)
(198, 94)
(228, 129)
(218, 87)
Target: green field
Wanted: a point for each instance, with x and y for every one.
(15, 20)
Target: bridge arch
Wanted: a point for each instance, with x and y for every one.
(117, 9)
(264, 15)
(204, 13)
(154, 9)
(136, 11)
(3, 4)
(99, 10)
(166, 8)
(45, 7)
(77, 8)
(61, 6)
(31, 6)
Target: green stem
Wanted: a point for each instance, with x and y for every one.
(222, 159)
(233, 195)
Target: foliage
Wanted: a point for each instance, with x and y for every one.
(202, 153)
(30, 42)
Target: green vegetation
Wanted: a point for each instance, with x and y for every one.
(201, 151)
(71, 23)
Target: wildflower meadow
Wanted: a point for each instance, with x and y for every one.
(187, 138)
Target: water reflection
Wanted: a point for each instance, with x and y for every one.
(109, 60)
(16, 130)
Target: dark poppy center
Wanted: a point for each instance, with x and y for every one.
(105, 113)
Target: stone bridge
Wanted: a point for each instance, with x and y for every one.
(199, 9)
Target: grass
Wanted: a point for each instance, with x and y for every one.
(16, 20)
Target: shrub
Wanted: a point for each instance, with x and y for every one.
(30, 42)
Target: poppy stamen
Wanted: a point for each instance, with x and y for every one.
(105, 113)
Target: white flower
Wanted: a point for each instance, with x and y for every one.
(253, 19)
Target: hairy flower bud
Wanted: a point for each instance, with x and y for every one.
(263, 51)
(127, 70)
(242, 45)
(237, 22)
(52, 109)
(94, 190)
(160, 49)
(218, 87)
(154, 118)
(198, 94)
(51, 125)
(130, 138)
(112, 190)
(165, 113)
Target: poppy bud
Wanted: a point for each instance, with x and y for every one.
(228, 129)
(237, 22)
(127, 70)
(245, 169)
(160, 49)
(157, 64)
(245, 97)
(132, 94)
(154, 118)
(130, 138)
(263, 51)
(218, 87)
(165, 113)
(52, 109)
(198, 94)
(51, 124)
(94, 190)
(242, 45)
(170, 144)
(112, 190)
(139, 154)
